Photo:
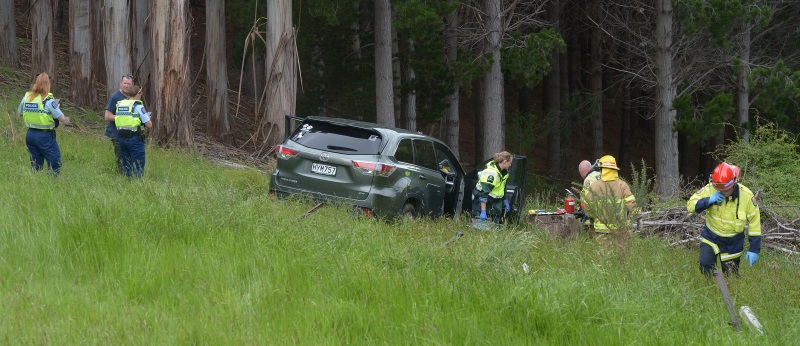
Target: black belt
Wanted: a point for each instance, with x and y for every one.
(122, 133)
(35, 129)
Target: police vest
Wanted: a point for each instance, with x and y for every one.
(35, 115)
(492, 176)
(125, 118)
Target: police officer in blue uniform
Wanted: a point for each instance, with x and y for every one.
(130, 119)
(41, 114)
(111, 107)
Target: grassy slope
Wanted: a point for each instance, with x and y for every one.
(196, 253)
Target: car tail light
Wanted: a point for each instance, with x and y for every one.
(285, 153)
(376, 168)
(368, 212)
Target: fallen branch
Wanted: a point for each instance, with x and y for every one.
(776, 247)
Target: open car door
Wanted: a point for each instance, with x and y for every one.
(515, 188)
(290, 123)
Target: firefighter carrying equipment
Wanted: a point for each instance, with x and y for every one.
(35, 115)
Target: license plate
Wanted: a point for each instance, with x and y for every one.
(323, 169)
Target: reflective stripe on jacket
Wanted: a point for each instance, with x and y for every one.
(125, 117)
(35, 115)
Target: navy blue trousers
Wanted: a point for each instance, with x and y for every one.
(132, 153)
(732, 245)
(43, 147)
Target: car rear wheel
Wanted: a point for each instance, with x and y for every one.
(409, 211)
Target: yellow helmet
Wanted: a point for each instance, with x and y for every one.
(607, 161)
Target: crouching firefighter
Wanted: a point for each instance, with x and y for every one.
(729, 207)
(131, 119)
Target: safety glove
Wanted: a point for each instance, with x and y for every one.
(483, 214)
(751, 257)
(508, 205)
(716, 198)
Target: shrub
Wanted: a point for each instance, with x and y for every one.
(769, 164)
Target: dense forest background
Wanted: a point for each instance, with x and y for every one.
(663, 82)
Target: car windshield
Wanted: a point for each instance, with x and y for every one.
(338, 138)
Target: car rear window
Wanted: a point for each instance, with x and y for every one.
(338, 138)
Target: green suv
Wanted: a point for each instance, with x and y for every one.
(381, 171)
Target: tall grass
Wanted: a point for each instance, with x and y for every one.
(195, 253)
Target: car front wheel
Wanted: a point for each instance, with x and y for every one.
(409, 211)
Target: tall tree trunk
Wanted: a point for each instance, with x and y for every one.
(99, 51)
(281, 58)
(8, 33)
(384, 94)
(742, 94)
(117, 30)
(574, 57)
(553, 101)
(452, 121)
(667, 177)
(142, 55)
(410, 111)
(81, 43)
(479, 133)
(217, 125)
(58, 15)
(397, 76)
(173, 123)
(596, 84)
(43, 57)
(625, 129)
(493, 104)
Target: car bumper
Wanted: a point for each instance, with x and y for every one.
(383, 202)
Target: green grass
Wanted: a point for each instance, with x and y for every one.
(196, 253)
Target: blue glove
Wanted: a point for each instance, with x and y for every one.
(752, 257)
(716, 198)
(483, 214)
(508, 206)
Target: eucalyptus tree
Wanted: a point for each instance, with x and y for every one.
(281, 88)
(117, 45)
(217, 123)
(170, 40)
(43, 57)
(142, 66)
(99, 53)
(8, 33)
(82, 47)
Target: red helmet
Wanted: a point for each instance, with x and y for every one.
(724, 176)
